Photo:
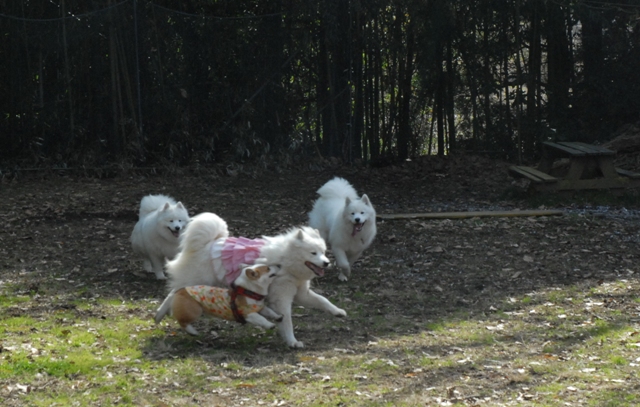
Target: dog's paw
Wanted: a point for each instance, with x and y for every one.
(340, 313)
(160, 276)
(269, 326)
(279, 318)
(296, 344)
(342, 277)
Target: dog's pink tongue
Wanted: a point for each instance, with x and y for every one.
(355, 230)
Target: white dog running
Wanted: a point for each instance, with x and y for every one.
(209, 256)
(346, 222)
(156, 234)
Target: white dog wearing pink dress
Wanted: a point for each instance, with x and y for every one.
(208, 256)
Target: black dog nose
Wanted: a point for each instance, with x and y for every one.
(357, 220)
(326, 264)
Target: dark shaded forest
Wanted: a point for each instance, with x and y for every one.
(102, 82)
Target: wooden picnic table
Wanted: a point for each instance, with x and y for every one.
(589, 167)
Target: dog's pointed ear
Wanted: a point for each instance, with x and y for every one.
(180, 206)
(347, 201)
(365, 199)
(166, 206)
(261, 269)
(300, 235)
(252, 273)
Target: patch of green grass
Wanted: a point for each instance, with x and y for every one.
(618, 360)
(7, 301)
(436, 326)
(614, 398)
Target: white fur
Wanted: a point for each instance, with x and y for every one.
(296, 251)
(337, 214)
(156, 234)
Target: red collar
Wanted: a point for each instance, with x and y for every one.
(235, 291)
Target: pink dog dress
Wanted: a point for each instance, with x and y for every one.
(221, 302)
(235, 252)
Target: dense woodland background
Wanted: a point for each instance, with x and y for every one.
(103, 82)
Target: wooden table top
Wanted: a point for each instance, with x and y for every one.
(578, 149)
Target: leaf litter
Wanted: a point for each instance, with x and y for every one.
(491, 311)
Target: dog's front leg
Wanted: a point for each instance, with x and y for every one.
(280, 301)
(157, 266)
(257, 319)
(343, 263)
(269, 313)
(309, 298)
(285, 328)
(353, 257)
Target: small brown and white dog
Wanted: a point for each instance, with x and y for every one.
(243, 302)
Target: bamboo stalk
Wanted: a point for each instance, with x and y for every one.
(67, 72)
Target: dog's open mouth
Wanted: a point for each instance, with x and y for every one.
(176, 233)
(319, 271)
(357, 227)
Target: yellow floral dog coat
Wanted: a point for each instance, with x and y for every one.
(221, 302)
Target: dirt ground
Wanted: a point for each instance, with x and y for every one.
(77, 229)
(80, 226)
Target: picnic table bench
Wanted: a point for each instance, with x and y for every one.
(590, 167)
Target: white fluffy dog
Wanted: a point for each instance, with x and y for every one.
(209, 256)
(345, 221)
(156, 234)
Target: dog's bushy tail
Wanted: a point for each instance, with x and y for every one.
(192, 265)
(202, 230)
(151, 203)
(337, 188)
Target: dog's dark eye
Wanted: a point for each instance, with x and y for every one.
(314, 253)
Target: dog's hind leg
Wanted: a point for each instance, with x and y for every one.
(186, 310)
